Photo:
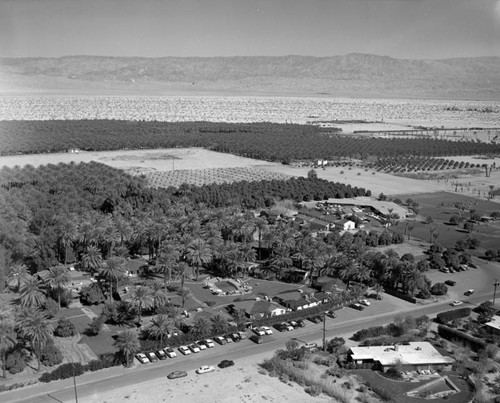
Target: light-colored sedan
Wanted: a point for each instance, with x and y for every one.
(456, 303)
(209, 343)
(365, 302)
(267, 329)
(258, 331)
(184, 350)
(142, 358)
(194, 348)
(201, 345)
(205, 368)
(169, 351)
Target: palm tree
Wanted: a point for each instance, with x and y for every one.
(363, 275)
(92, 259)
(56, 278)
(349, 271)
(159, 297)
(220, 323)
(140, 298)
(175, 316)
(413, 278)
(168, 255)
(185, 293)
(68, 232)
(8, 339)
(113, 270)
(281, 259)
(260, 226)
(182, 270)
(128, 344)
(201, 326)
(161, 326)
(34, 326)
(198, 253)
(248, 255)
(31, 295)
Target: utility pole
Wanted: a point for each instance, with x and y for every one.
(495, 284)
(74, 382)
(324, 330)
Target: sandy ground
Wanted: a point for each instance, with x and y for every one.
(241, 383)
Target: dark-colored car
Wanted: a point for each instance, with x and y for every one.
(301, 323)
(256, 339)
(280, 327)
(152, 356)
(357, 306)
(469, 292)
(315, 319)
(226, 363)
(330, 314)
(235, 336)
(177, 374)
(450, 282)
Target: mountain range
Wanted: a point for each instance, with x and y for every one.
(352, 75)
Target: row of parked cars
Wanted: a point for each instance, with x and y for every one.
(294, 324)
(196, 347)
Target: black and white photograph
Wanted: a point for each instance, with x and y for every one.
(227, 201)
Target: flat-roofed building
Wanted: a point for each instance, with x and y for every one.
(411, 356)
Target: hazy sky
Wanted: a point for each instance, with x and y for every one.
(399, 28)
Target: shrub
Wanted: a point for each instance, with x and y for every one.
(51, 307)
(50, 355)
(92, 294)
(313, 390)
(457, 336)
(95, 326)
(96, 365)
(439, 289)
(448, 316)
(64, 371)
(16, 362)
(65, 328)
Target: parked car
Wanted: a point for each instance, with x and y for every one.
(357, 306)
(294, 324)
(330, 314)
(177, 374)
(456, 303)
(205, 368)
(220, 339)
(267, 329)
(258, 331)
(226, 363)
(280, 327)
(151, 356)
(201, 345)
(444, 270)
(229, 339)
(161, 354)
(194, 348)
(288, 326)
(450, 282)
(209, 343)
(142, 358)
(242, 335)
(364, 302)
(469, 292)
(257, 339)
(235, 336)
(184, 350)
(301, 323)
(315, 319)
(169, 351)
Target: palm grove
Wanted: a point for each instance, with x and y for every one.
(98, 216)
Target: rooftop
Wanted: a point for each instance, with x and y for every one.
(494, 322)
(414, 353)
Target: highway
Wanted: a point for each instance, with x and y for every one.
(347, 322)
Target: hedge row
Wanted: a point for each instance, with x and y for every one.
(387, 330)
(445, 317)
(455, 335)
(400, 295)
(69, 370)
